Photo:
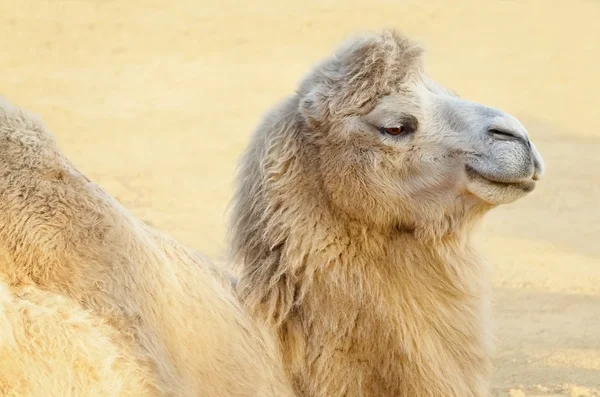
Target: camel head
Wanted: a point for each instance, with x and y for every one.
(351, 215)
(391, 146)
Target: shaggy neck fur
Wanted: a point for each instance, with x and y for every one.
(360, 309)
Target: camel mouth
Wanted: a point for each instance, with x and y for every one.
(526, 186)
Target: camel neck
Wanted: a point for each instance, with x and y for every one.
(357, 264)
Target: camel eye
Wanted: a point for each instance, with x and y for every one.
(408, 125)
(393, 130)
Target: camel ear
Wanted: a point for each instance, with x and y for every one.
(313, 107)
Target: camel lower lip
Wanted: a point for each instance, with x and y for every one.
(526, 186)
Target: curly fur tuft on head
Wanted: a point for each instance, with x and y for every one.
(362, 70)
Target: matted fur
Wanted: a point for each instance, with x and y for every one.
(373, 290)
(94, 303)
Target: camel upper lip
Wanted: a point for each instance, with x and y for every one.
(526, 185)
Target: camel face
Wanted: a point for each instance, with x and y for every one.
(390, 138)
(438, 137)
(501, 164)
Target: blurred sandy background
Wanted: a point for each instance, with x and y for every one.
(155, 100)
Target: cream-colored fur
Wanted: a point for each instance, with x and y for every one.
(94, 303)
(355, 241)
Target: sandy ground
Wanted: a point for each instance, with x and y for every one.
(156, 99)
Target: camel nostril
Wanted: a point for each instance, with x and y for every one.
(503, 134)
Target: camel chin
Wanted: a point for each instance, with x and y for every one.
(495, 192)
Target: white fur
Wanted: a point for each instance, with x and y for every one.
(94, 303)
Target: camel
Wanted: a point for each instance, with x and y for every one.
(95, 303)
(351, 218)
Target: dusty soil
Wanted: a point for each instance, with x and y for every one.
(155, 100)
